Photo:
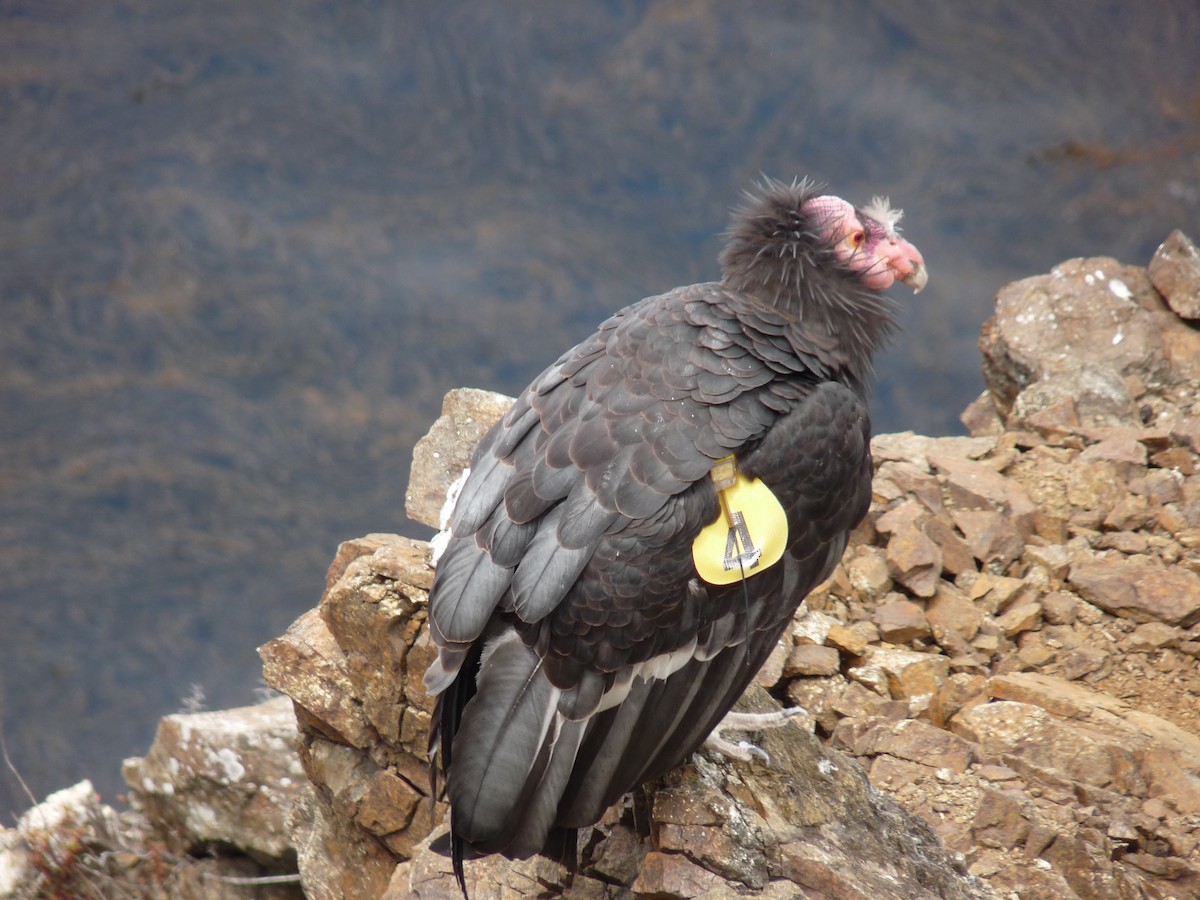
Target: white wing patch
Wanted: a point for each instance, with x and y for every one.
(438, 542)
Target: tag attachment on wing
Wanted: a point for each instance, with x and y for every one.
(748, 536)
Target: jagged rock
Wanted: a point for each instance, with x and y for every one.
(812, 627)
(951, 610)
(802, 828)
(1081, 662)
(1175, 272)
(914, 560)
(990, 535)
(901, 621)
(806, 659)
(674, 875)
(994, 593)
(307, 664)
(958, 692)
(354, 668)
(1087, 318)
(1140, 589)
(981, 418)
(999, 821)
(918, 742)
(1022, 733)
(847, 640)
(1025, 617)
(902, 674)
(868, 573)
(1061, 403)
(222, 777)
(72, 845)
(1046, 564)
(957, 555)
(1084, 859)
(772, 670)
(972, 485)
(440, 456)
(1059, 608)
(337, 858)
(1152, 636)
(1059, 729)
(1124, 451)
(376, 797)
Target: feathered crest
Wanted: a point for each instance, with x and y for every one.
(880, 209)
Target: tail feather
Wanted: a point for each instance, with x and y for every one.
(581, 702)
(654, 728)
(532, 828)
(601, 754)
(500, 741)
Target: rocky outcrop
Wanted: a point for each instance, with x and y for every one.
(1175, 272)
(1001, 677)
(208, 819)
(354, 667)
(224, 777)
(1062, 629)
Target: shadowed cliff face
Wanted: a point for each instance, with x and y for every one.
(245, 250)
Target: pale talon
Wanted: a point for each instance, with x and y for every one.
(742, 721)
(757, 752)
(742, 750)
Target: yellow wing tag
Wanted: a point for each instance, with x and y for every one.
(750, 534)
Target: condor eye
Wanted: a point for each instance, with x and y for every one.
(857, 238)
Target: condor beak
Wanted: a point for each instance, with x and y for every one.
(905, 262)
(918, 277)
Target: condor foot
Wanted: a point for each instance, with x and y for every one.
(741, 721)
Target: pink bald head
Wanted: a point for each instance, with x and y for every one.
(866, 241)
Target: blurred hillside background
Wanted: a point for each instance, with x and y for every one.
(245, 249)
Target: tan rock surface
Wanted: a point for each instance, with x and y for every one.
(1175, 272)
(1140, 589)
(227, 776)
(440, 456)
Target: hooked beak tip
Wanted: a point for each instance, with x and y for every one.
(917, 278)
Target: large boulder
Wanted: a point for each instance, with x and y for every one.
(226, 777)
